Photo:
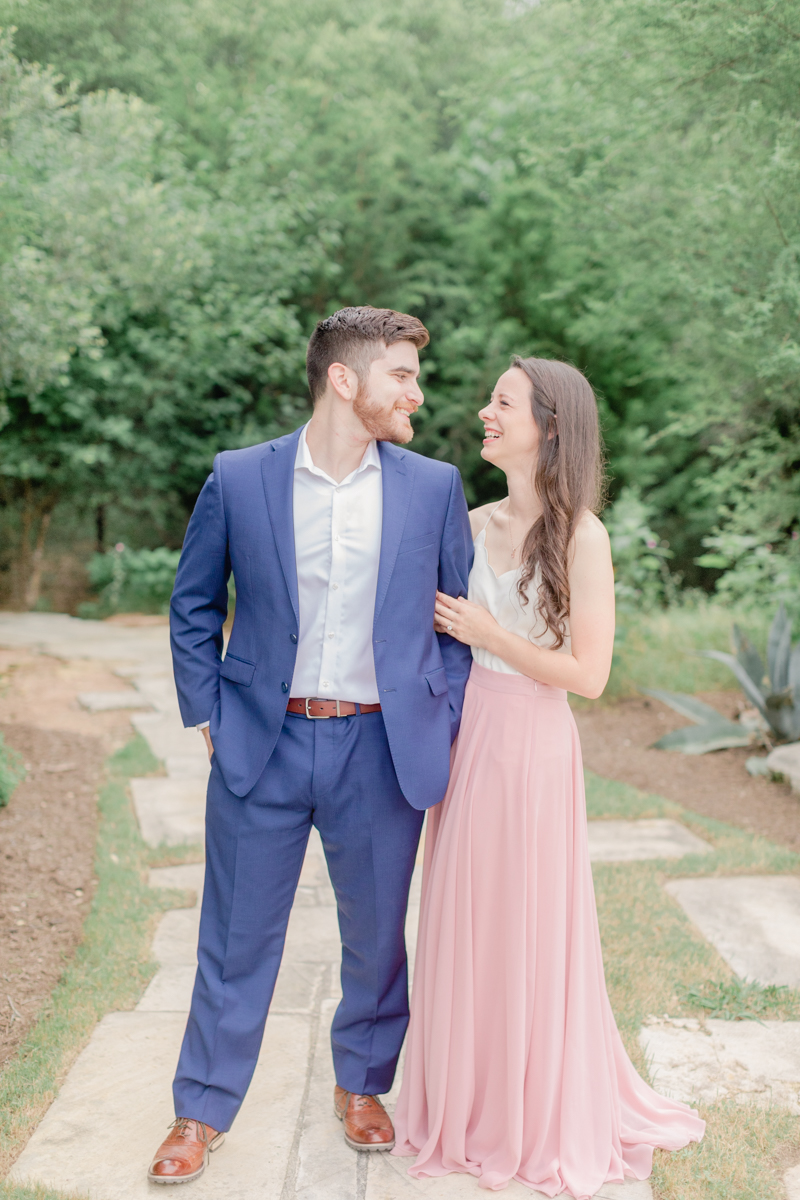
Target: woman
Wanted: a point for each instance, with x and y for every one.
(514, 1066)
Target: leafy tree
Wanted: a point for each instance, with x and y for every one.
(142, 325)
(609, 183)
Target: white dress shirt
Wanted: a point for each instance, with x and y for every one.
(337, 539)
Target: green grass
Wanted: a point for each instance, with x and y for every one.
(735, 1000)
(658, 649)
(109, 972)
(657, 962)
(175, 856)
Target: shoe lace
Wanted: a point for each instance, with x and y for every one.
(182, 1125)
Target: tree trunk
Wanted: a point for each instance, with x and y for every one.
(100, 527)
(36, 562)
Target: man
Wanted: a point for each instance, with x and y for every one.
(335, 705)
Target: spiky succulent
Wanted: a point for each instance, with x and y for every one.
(774, 689)
(710, 731)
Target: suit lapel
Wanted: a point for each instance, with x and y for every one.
(277, 472)
(397, 476)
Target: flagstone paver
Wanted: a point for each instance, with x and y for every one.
(106, 701)
(69, 638)
(752, 920)
(791, 1181)
(171, 811)
(633, 841)
(754, 1061)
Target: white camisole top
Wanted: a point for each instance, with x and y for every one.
(498, 594)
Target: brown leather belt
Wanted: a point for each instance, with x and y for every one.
(321, 710)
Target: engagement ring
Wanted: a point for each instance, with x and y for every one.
(449, 628)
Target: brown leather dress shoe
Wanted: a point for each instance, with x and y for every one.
(367, 1125)
(183, 1155)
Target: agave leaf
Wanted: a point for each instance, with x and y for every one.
(748, 656)
(778, 646)
(782, 659)
(794, 672)
(700, 739)
(748, 687)
(687, 706)
(786, 722)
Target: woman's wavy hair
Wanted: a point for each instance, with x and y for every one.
(569, 478)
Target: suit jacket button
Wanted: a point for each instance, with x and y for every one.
(293, 637)
(284, 687)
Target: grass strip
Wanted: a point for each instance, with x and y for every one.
(657, 962)
(110, 969)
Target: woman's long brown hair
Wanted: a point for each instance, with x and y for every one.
(568, 479)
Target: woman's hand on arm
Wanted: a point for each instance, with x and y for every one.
(463, 620)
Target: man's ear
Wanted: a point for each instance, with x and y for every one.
(343, 380)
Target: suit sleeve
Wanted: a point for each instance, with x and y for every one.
(199, 604)
(455, 561)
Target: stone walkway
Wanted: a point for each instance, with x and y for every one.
(286, 1143)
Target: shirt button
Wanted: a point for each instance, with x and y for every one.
(324, 683)
(334, 587)
(330, 635)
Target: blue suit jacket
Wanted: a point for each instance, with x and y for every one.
(243, 523)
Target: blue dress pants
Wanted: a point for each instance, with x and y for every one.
(338, 775)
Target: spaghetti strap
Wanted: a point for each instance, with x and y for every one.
(491, 514)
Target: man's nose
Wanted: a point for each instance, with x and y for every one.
(415, 394)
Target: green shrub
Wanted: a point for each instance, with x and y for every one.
(132, 580)
(12, 772)
(659, 649)
(758, 570)
(642, 580)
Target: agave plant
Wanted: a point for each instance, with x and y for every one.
(710, 731)
(774, 690)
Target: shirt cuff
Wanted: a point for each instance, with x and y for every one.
(203, 725)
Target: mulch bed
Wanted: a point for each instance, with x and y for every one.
(616, 742)
(47, 842)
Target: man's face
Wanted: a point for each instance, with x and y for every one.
(390, 394)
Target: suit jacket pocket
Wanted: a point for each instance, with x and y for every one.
(237, 670)
(437, 681)
(420, 542)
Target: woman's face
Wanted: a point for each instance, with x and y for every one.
(511, 436)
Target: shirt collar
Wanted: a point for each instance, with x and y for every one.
(304, 462)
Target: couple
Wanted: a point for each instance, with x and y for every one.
(366, 644)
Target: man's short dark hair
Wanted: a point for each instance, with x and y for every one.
(355, 337)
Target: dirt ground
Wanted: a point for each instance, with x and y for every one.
(47, 832)
(616, 742)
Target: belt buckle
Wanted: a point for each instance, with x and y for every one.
(321, 716)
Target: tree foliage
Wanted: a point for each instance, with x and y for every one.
(612, 182)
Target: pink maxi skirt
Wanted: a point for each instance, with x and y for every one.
(514, 1065)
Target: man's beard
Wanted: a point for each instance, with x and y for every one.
(379, 421)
